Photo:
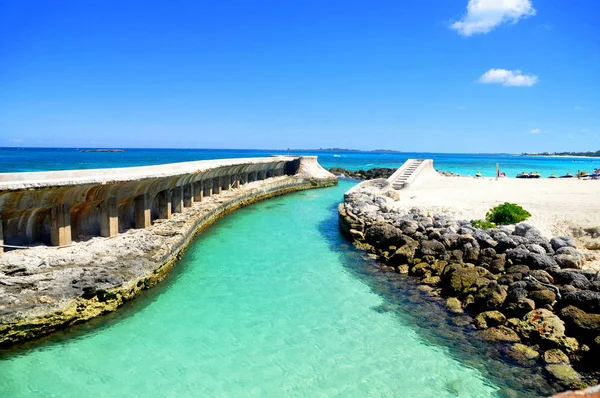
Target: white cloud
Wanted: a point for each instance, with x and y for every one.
(514, 78)
(484, 15)
(537, 131)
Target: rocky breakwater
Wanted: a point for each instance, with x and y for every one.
(524, 292)
(44, 289)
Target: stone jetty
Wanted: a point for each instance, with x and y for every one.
(81, 243)
(524, 292)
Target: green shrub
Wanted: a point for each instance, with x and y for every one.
(507, 213)
(482, 224)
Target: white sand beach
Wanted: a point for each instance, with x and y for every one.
(558, 206)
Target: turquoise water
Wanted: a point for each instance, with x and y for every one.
(41, 159)
(271, 301)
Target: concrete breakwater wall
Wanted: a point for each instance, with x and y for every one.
(43, 289)
(58, 207)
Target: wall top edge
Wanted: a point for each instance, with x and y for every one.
(41, 179)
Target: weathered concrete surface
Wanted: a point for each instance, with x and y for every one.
(44, 289)
(59, 207)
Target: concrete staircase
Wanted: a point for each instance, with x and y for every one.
(405, 172)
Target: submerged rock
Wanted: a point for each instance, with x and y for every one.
(500, 334)
(488, 319)
(555, 356)
(565, 375)
(522, 353)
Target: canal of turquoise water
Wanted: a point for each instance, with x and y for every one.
(269, 302)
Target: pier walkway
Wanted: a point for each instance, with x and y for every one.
(408, 172)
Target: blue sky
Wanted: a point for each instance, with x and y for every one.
(411, 75)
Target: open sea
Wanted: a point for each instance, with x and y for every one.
(271, 302)
(43, 159)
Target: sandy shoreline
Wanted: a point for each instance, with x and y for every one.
(558, 206)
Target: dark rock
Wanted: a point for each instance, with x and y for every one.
(579, 323)
(500, 334)
(542, 276)
(490, 297)
(535, 248)
(522, 353)
(562, 241)
(522, 229)
(543, 297)
(573, 278)
(505, 243)
(586, 300)
(382, 235)
(404, 255)
(533, 260)
(519, 307)
(565, 375)
(454, 305)
(543, 327)
(462, 279)
(541, 261)
(555, 355)
(409, 227)
(498, 263)
(484, 240)
(568, 261)
(471, 252)
(450, 240)
(489, 319)
(431, 248)
(466, 229)
(521, 269)
(517, 256)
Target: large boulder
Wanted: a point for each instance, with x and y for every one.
(555, 355)
(404, 255)
(505, 243)
(586, 300)
(543, 327)
(409, 227)
(484, 240)
(431, 248)
(450, 240)
(573, 278)
(382, 235)
(500, 334)
(489, 297)
(543, 297)
(489, 319)
(533, 260)
(463, 279)
(579, 323)
(522, 353)
(565, 375)
(569, 261)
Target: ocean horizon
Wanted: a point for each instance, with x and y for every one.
(32, 159)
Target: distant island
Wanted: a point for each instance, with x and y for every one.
(347, 150)
(101, 150)
(586, 154)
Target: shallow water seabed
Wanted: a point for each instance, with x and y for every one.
(270, 301)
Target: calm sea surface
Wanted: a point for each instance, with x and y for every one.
(270, 301)
(34, 159)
